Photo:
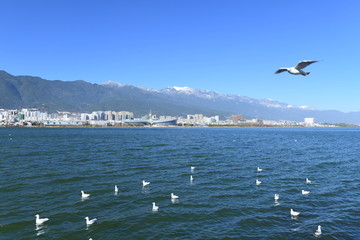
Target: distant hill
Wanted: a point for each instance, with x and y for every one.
(79, 96)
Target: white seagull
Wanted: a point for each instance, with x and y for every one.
(145, 183)
(116, 189)
(258, 182)
(89, 222)
(39, 220)
(318, 231)
(259, 169)
(276, 197)
(84, 195)
(297, 69)
(191, 178)
(308, 181)
(192, 169)
(303, 192)
(293, 213)
(173, 196)
(154, 207)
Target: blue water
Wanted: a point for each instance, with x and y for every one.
(43, 171)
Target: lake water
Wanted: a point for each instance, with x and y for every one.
(43, 171)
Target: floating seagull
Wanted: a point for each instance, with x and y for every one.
(297, 69)
(318, 231)
(308, 181)
(259, 169)
(303, 192)
(154, 207)
(192, 169)
(276, 197)
(145, 183)
(84, 195)
(191, 178)
(39, 220)
(89, 222)
(173, 196)
(258, 182)
(116, 189)
(293, 213)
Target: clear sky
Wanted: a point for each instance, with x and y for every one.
(228, 46)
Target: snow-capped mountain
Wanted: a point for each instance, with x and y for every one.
(212, 95)
(80, 96)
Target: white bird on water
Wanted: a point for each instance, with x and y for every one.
(192, 169)
(258, 182)
(276, 197)
(173, 196)
(297, 69)
(154, 207)
(304, 192)
(116, 189)
(308, 181)
(89, 222)
(259, 169)
(145, 183)
(293, 213)
(318, 231)
(84, 195)
(39, 220)
(191, 178)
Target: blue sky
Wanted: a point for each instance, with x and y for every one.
(229, 46)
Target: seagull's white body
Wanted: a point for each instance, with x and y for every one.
(84, 195)
(39, 220)
(308, 181)
(173, 196)
(303, 192)
(116, 189)
(191, 178)
(318, 231)
(145, 183)
(89, 222)
(259, 169)
(154, 207)
(276, 197)
(258, 182)
(293, 213)
(297, 70)
(192, 169)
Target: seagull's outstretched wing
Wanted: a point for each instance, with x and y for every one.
(281, 70)
(304, 64)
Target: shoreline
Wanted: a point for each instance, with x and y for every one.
(176, 126)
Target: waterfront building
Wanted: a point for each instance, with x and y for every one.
(309, 122)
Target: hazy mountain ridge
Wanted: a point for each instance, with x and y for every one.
(79, 96)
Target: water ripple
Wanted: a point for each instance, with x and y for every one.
(45, 170)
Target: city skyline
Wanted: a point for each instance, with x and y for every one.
(232, 47)
(34, 117)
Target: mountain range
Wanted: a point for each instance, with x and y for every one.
(18, 92)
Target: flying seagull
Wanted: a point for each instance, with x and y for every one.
(297, 69)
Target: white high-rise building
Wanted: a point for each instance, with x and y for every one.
(309, 121)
